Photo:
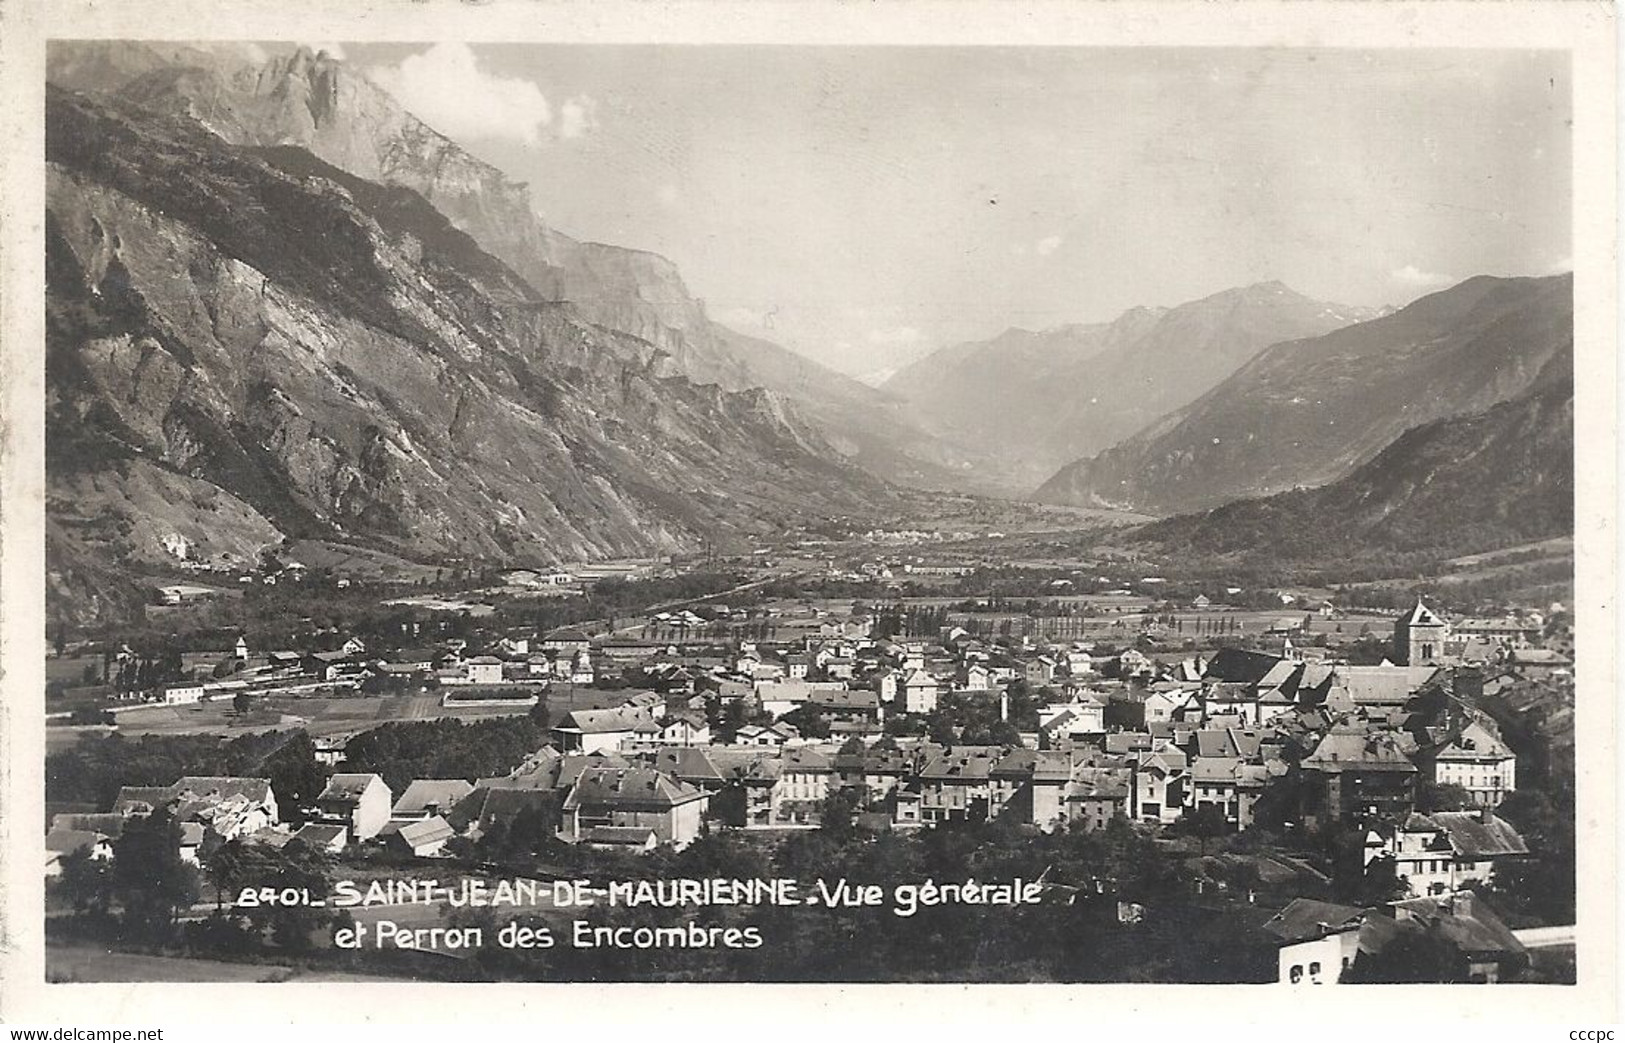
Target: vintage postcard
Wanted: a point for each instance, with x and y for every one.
(1094, 497)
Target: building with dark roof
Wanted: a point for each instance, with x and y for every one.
(1444, 852)
(1355, 771)
(361, 802)
(641, 797)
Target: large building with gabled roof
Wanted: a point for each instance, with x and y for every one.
(640, 797)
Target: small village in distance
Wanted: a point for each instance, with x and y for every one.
(1212, 782)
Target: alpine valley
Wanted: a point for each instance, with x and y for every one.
(280, 307)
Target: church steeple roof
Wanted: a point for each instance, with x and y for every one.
(1422, 616)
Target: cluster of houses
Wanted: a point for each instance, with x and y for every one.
(717, 734)
(1318, 741)
(564, 657)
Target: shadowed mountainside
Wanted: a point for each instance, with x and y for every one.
(1305, 413)
(245, 345)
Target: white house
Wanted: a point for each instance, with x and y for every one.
(684, 730)
(483, 669)
(1163, 706)
(1442, 852)
(180, 694)
(1318, 941)
(920, 691)
(361, 802)
(594, 731)
(1479, 762)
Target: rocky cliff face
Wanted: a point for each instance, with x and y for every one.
(328, 109)
(1305, 413)
(246, 343)
(1032, 402)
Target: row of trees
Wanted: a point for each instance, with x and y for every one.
(92, 771)
(447, 748)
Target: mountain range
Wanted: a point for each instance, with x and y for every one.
(1030, 402)
(246, 344)
(1500, 477)
(320, 104)
(1307, 412)
(281, 307)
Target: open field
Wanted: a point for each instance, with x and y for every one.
(448, 603)
(1557, 547)
(362, 563)
(332, 715)
(76, 963)
(70, 668)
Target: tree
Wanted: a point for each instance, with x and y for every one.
(242, 702)
(1204, 822)
(838, 815)
(85, 882)
(1443, 796)
(941, 728)
(729, 805)
(294, 773)
(808, 721)
(1541, 887)
(149, 881)
(235, 866)
(732, 718)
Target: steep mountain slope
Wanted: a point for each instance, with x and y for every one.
(865, 425)
(246, 344)
(1306, 412)
(1492, 479)
(324, 106)
(1035, 401)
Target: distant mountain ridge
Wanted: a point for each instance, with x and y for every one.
(1033, 401)
(318, 103)
(1305, 413)
(1468, 483)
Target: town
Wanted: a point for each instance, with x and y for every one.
(1348, 793)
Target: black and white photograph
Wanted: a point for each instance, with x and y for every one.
(824, 513)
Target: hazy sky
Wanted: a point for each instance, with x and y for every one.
(873, 202)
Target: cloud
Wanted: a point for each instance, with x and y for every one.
(894, 335)
(1411, 275)
(668, 194)
(577, 116)
(1047, 245)
(446, 88)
